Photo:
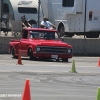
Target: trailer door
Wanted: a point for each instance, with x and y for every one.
(93, 16)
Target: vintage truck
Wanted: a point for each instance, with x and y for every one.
(40, 43)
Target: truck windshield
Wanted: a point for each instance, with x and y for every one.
(44, 35)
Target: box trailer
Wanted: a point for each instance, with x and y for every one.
(80, 17)
(71, 17)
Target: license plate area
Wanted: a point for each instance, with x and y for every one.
(54, 56)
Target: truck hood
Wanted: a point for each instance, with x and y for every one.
(50, 43)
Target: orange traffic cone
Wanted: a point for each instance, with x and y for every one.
(19, 60)
(26, 95)
(99, 63)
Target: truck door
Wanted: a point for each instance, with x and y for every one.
(24, 44)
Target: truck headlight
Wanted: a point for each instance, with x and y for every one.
(38, 49)
(69, 50)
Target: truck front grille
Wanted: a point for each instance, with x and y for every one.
(56, 50)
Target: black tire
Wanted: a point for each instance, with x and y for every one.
(13, 53)
(31, 55)
(61, 29)
(57, 60)
(6, 33)
(15, 34)
(64, 59)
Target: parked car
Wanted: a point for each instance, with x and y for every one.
(40, 43)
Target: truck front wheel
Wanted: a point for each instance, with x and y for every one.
(31, 55)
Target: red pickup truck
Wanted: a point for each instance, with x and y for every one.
(40, 43)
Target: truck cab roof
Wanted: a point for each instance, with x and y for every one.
(39, 29)
(40, 33)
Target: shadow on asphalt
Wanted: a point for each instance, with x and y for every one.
(45, 60)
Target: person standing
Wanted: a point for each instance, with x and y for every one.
(25, 23)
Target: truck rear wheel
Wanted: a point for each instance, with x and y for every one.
(13, 53)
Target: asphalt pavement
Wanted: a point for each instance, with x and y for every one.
(49, 80)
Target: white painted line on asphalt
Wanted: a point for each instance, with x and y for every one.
(89, 96)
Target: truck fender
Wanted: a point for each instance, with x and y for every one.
(16, 47)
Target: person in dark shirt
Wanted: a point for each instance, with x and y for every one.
(25, 24)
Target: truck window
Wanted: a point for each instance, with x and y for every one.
(44, 35)
(67, 3)
(27, 10)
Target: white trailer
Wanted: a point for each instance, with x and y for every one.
(80, 17)
(11, 12)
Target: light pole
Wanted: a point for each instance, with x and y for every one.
(39, 3)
